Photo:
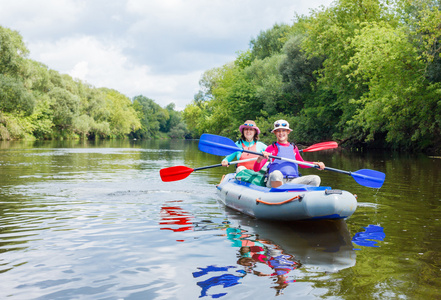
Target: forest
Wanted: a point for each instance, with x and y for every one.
(39, 103)
(365, 73)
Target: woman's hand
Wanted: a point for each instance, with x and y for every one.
(225, 163)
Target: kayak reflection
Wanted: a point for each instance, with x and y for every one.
(255, 252)
(321, 246)
(283, 252)
(256, 256)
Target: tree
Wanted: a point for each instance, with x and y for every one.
(14, 97)
(329, 34)
(65, 107)
(12, 52)
(269, 42)
(42, 117)
(150, 115)
(175, 122)
(400, 103)
(123, 117)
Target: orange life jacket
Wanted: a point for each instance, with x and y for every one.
(246, 155)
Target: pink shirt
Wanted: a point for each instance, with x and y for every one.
(272, 149)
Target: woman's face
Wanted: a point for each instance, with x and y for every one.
(248, 133)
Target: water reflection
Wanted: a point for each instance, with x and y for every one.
(175, 215)
(259, 257)
(320, 246)
(224, 280)
(255, 251)
(369, 237)
(283, 252)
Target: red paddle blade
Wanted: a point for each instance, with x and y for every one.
(321, 146)
(175, 173)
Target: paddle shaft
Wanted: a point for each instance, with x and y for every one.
(301, 162)
(180, 172)
(361, 176)
(220, 165)
(284, 158)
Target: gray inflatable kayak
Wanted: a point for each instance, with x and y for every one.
(289, 202)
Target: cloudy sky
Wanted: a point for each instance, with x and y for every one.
(155, 48)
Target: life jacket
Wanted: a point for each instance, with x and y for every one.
(246, 155)
(288, 169)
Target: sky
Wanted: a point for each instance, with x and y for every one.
(155, 48)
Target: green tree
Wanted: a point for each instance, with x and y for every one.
(329, 34)
(94, 104)
(270, 42)
(12, 52)
(176, 127)
(211, 107)
(265, 83)
(401, 103)
(149, 114)
(36, 76)
(123, 117)
(14, 97)
(193, 115)
(65, 107)
(42, 117)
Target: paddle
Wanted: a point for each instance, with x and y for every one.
(320, 146)
(219, 145)
(181, 172)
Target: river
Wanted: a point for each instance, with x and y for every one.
(93, 220)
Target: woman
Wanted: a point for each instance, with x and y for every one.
(282, 171)
(248, 141)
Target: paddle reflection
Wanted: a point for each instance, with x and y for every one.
(225, 280)
(370, 237)
(174, 218)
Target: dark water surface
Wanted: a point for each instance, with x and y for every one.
(83, 220)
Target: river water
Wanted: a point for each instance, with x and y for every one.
(93, 220)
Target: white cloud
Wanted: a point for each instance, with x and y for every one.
(80, 70)
(158, 49)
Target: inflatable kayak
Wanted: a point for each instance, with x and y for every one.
(289, 202)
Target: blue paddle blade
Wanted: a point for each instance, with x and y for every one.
(369, 178)
(217, 145)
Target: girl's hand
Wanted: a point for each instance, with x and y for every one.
(321, 166)
(265, 156)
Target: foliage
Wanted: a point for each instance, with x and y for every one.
(150, 114)
(36, 102)
(364, 73)
(14, 97)
(123, 118)
(12, 52)
(269, 42)
(42, 117)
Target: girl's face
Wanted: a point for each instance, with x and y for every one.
(282, 135)
(248, 133)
